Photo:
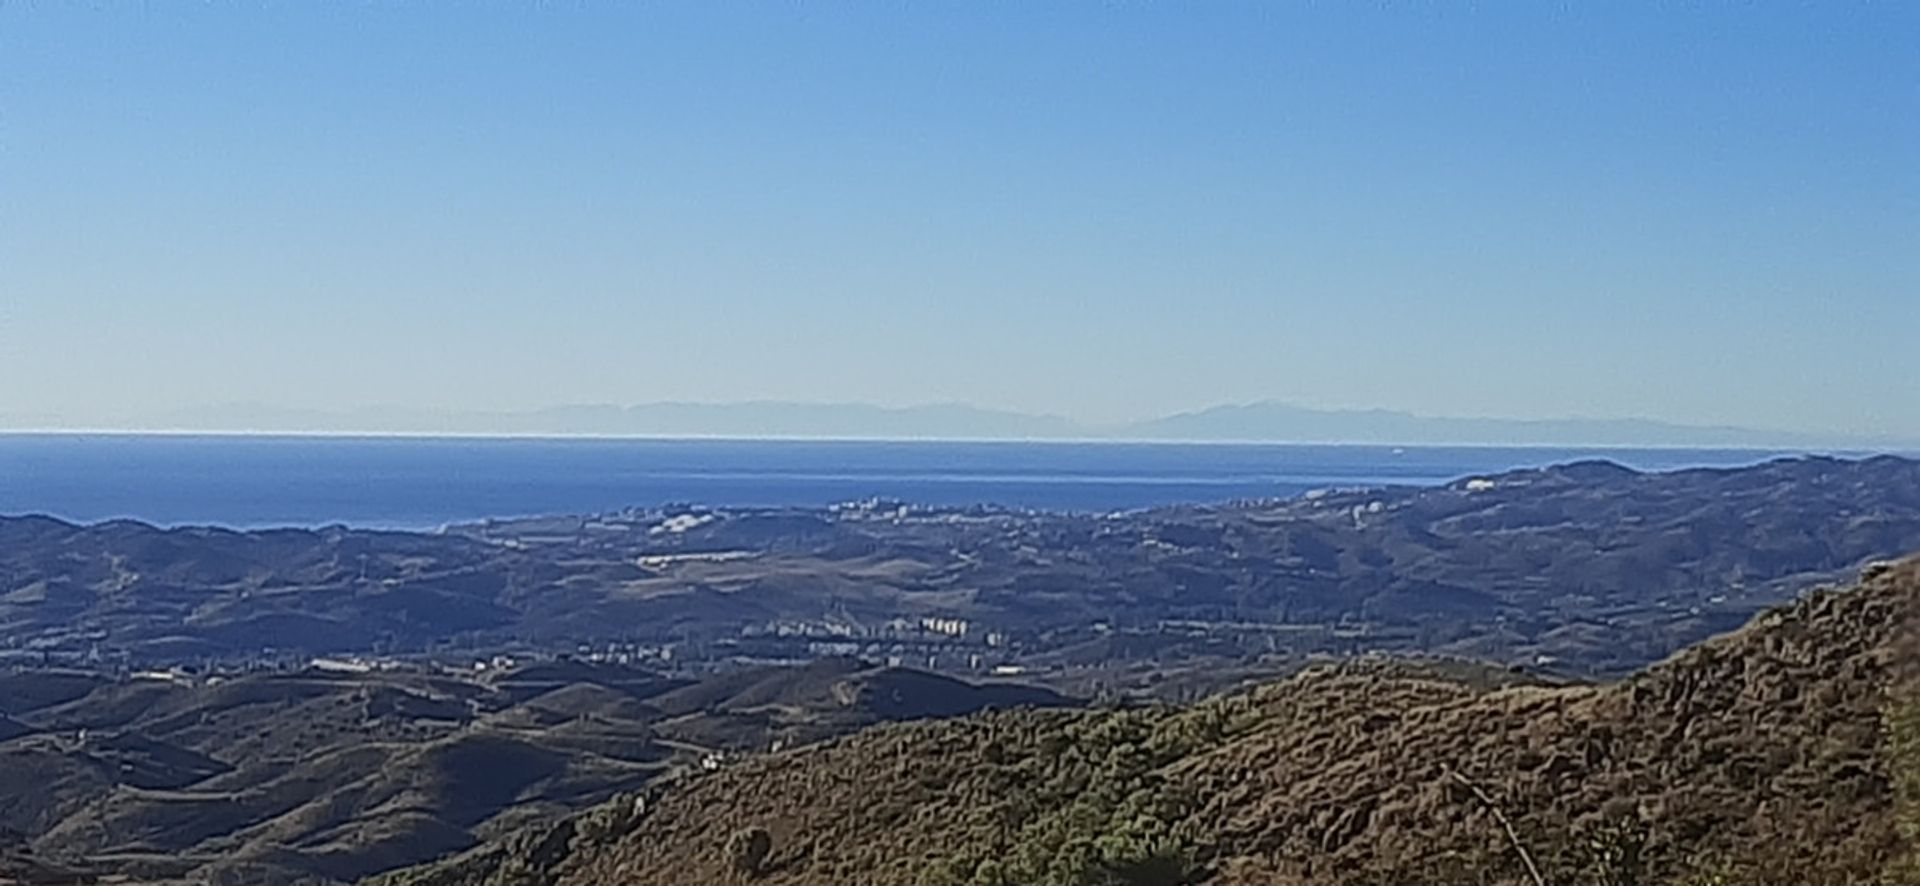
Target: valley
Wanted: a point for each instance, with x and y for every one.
(1249, 691)
(1588, 569)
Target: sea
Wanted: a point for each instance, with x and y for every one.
(417, 483)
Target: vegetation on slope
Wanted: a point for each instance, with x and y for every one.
(1903, 751)
(322, 777)
(1904, 754)
(1760, 758)
(1597, 566)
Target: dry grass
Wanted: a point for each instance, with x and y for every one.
(1756, 759)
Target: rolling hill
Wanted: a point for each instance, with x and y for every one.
(1758, 757)
(325, 776)
(1592, 566)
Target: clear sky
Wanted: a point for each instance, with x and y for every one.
(1698, 212)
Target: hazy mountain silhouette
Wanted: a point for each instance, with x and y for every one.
(1268, 421)
(1283, 422)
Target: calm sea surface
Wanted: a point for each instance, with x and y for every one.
(427, 482)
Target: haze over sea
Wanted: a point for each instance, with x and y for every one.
(418, 483)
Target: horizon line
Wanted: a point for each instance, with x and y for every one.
(1899, 448)
(1269, 421)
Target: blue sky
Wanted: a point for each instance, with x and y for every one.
(1701, 212)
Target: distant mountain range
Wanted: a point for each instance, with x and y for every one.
(1490, 567)
(1252, 422)
(1284, 422)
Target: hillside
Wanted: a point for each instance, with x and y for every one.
(1591, 567)
(1754, 758)
(326, 776)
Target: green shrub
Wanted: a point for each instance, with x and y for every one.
(1613, 852)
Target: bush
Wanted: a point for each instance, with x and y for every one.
(1613, 852)
(748, 850)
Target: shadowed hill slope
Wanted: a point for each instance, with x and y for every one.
(1757, 756)
(1596, 567)
(324, 776)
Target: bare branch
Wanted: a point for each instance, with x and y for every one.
(1526, 857)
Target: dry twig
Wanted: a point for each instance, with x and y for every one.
(1526, 857)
